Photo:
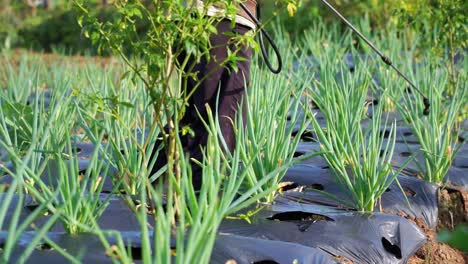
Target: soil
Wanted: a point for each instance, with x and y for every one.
(452, 211)
(343, 260)
(453, 208)
(48, 59)
(434, 252)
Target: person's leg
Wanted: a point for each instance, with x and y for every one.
(216, 79)
(211, 73)
(232, 90)
(223, 91)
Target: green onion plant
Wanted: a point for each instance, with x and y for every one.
(359, 156)
(360, 159)
(437, 132)
(274, 125)
(186, 221)
(17, 225)
(49, 168)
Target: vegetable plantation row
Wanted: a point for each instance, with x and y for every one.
(338, 162)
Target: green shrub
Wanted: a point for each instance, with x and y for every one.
(442, 24)
(313, 10)
(49, 30)
(59, 29)
(8, 34)
(457, 238)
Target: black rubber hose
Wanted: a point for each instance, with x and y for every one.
(261, 41)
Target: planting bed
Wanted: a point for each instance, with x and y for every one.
(302, 225)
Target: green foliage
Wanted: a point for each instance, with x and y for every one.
(274, 125)
(19, 118)
(163, 55)
(437, 132)
(457, 238)
(11, 220)
(442, 23)
(359, 157)
(47, 30)
(115, 109)
(310, 11)
(198, 215)
(8, 29)
(52, 30)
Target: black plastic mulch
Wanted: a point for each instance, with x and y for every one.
(362, 238)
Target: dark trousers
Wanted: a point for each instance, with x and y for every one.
(222, 89)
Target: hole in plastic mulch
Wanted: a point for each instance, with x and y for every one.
(266, 262)
(409, 192)
(390, 248)
(125, 153)
(44, 247)
(32, 207)
(299, 216)
(286, 186)
(461, 139)
(371, 102)
(386, 133)
(407, 134)
(308, 136)
(74, 150)
(314, 106)
(382, 153)
(320, 117)
(136, 253)
(405, 154)
(317, 186)
(298, 154)
(77, 150)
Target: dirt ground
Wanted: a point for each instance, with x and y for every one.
(17, 55)
(452, 211)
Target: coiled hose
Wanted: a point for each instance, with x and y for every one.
(263, 33)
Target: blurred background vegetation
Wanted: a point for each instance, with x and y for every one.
(51, 25)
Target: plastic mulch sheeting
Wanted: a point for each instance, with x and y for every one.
(362, 238)
(457, 175)
(422, 196)
(86, 248)
(247, 250)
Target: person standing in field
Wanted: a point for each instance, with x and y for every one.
(222, 88)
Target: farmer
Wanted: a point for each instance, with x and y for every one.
(222, 89)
